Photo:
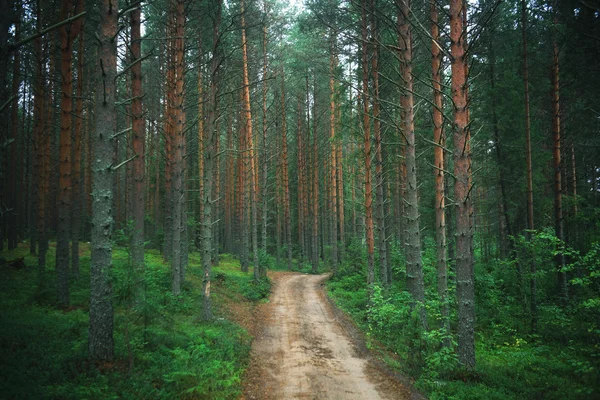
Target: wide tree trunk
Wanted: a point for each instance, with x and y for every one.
(101, 344)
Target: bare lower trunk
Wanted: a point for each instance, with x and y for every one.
(101, 343)
(462, 172)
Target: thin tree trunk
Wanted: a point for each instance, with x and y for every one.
(179, 142)
(530, 221)
(101, 344)
(556, 158)
(367, 154)
(138, 130)
(13, 204)
(380, 210)
(438, 161)
(332, 143)
(414, 265)
(210, 160)
(76, 157)
(249, 141)
(462, 173)
(286, 180)
(315, 189)
(67, 33)
(265, 164)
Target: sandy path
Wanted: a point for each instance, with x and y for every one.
(303, 353)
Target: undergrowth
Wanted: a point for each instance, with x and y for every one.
(163, 348)
(561, 361)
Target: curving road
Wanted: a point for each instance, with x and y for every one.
(302, 352)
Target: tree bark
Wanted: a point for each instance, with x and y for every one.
(178, 114)
(379, 191)
(530, 221)
(253, 181)
(101, 344)
(462, 173)
(556, 158)
(138, 129)
(438, 162)
(414, 265)
(286, 180)
(76, 157)
(367, 154)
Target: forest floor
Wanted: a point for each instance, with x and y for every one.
(303, 349)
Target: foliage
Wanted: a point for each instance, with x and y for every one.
(161, 347)
(561, 360)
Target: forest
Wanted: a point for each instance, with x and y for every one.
(180, 179)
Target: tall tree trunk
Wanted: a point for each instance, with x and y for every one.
(556, 158)
(315, 189)
(380, 210)
(210, 160)
(76, 157)
(530, 222)
(414, 265)
(249, 141)
(230, 181)
(41, 138)
(67, 33)
(169, 128)
(332, 143)
(138, 130)
(265, 152)
(301, 179)
(462, 172)
(101, 344)
(367, 154)
(13, 204)
(178, 114)
(438, 162)
(286, 180)
(201, 141)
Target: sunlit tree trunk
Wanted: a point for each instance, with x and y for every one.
(438, 162)
(462, 173)
(253, 181)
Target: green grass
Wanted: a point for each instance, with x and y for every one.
(163, 348)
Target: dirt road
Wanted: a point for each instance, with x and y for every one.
(302, 352)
